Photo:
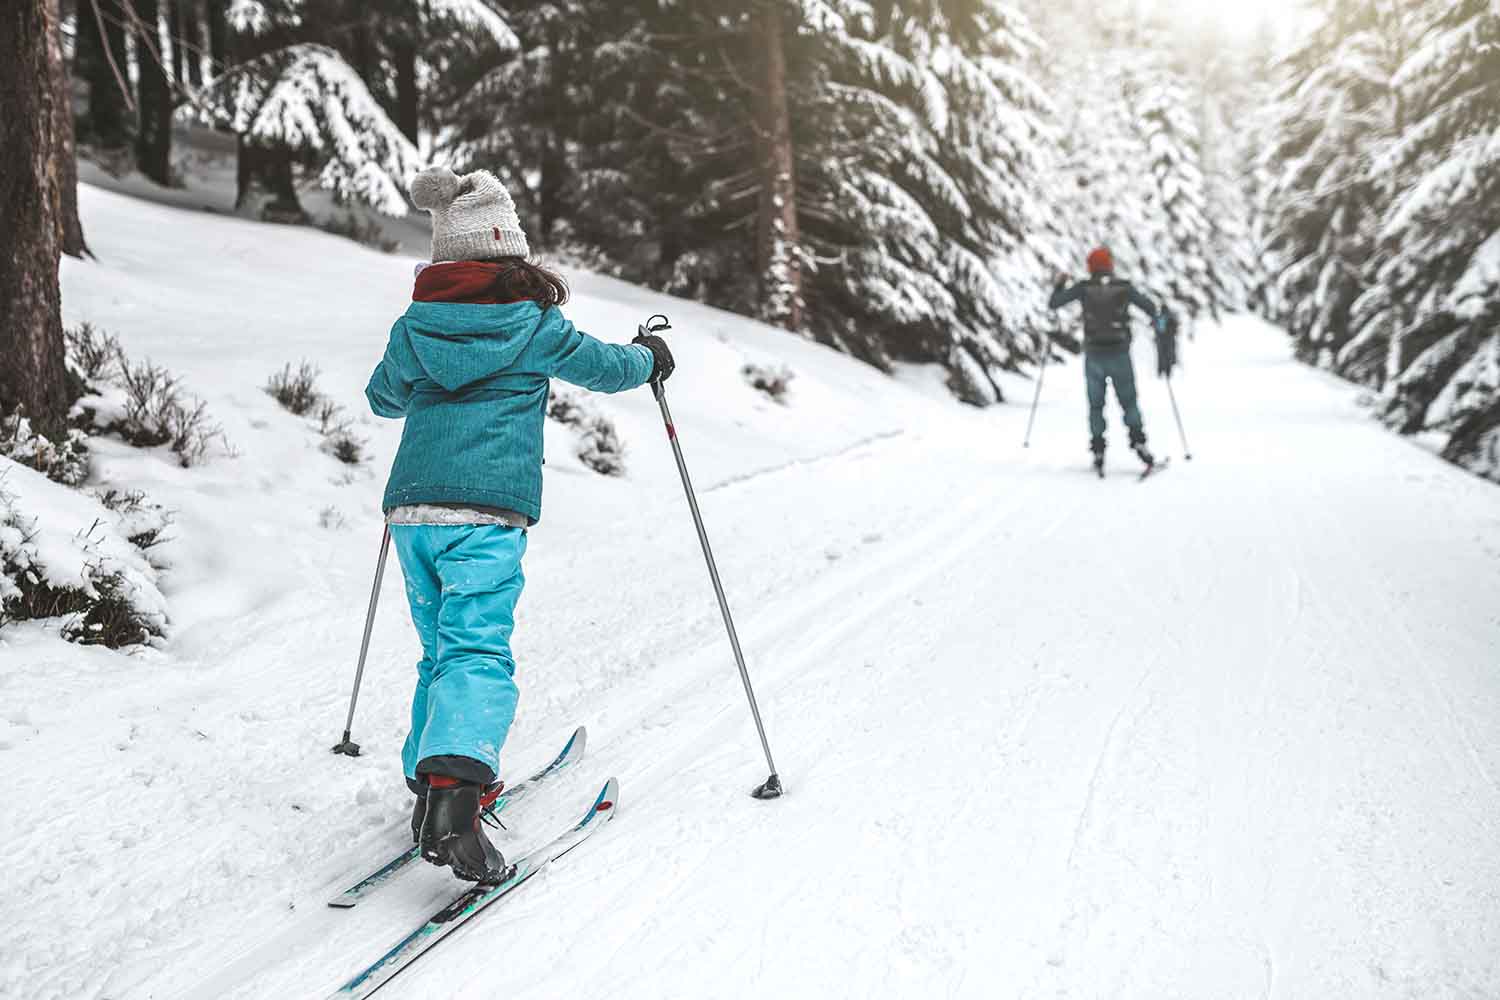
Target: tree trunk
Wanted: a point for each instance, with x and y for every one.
(270, 169)
(67, 159)
(780, 237)
(192, 35)
(556, 124)
(153, 143)
(174, 32)
(218, 35)
(33, 376)
(404, 52)
(106, 124)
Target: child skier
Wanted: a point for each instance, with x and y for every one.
(1106, 347)
(468, 365)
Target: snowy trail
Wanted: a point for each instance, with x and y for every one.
(1232, 732)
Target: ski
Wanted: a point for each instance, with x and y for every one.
(1153, 469)
(571, 751)
(471, 902)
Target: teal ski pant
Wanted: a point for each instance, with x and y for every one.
(462, 582)
(1100, 367)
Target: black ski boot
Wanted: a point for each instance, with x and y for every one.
(1097, 447)
(1144, 455)
(419, 807)
(452, 835)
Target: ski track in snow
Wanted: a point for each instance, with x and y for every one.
(1232, 732)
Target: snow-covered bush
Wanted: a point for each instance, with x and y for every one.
(599, 445)
(773, 380)
(65, 461)
(79, 567)
(297, 390)
(365, 232)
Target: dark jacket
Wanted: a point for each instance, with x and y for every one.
(1106, 309)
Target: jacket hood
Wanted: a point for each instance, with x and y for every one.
(458, 332)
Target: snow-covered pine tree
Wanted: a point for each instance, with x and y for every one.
(919, 151)
(290, 92)
(518, 110)
(1182, 265)
(951, 191)
(1442, 235)
(1335, 106)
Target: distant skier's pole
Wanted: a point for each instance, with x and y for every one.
(771, 788)
(1041, 375)
(347, 746)
(1182, 433)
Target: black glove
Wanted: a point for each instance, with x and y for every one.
(1166, 342)
(1061, 280)
(662, 365)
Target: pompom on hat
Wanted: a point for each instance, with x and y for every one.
(473, 216)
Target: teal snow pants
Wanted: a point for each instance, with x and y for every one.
(463, 582)
(1099, 367)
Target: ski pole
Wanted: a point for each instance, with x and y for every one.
(1182, 433)
(771, 788)
(1041, 375)
(347, 746)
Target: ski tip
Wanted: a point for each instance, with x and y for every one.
(576, 742)
(608, 796)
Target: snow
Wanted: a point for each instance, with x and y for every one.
(1232, 732)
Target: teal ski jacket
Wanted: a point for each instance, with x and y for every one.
(471, 379)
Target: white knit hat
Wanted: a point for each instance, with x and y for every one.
(473, 217)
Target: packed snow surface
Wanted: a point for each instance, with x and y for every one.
(1231, 732)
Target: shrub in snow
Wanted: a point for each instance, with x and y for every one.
(144, 524)
(78, 567)
(599, 446)
(144, 404)
(65, 461)
(297, 390)
(157, 411)
(338, 435)
(363, 231)
(774, 381)
(94, 354)
(332, 518)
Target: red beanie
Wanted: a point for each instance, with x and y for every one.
(1101, 261)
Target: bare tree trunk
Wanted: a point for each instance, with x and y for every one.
(408, 111)
(218, 34)
(174, 32)
(192, 35)
(73, 243)
(153, 143)
(33, 376)
(268, 168)
(100, 51)
(780, 235)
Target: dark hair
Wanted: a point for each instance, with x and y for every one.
(520, 280)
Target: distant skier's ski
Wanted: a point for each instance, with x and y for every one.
(1154, 468)
(451, 917)
(380, 876)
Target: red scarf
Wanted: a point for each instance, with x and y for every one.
(466, 281)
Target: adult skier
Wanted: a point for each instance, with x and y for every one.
(1106, 346)
(468, 366)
